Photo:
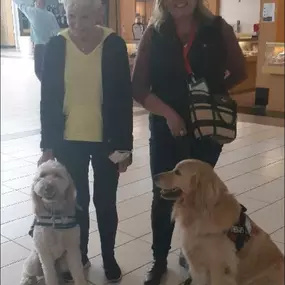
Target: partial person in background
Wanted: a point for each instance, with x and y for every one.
(43, 26)
(184, 39)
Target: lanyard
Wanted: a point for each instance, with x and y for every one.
(186, 50)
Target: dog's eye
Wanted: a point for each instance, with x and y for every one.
(177, 172)
(43, 174)
(56, 175)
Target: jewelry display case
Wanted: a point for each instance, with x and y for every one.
(274, 59)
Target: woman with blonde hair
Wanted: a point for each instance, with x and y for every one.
(86, 116)
(184, 41)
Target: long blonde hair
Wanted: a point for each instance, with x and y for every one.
(160, 13)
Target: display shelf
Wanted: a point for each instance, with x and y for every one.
(249, 47)
(274, 59)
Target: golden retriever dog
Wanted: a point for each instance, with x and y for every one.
(207, 213)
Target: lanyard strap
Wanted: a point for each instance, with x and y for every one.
(186, 50)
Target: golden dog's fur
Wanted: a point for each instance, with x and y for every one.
(205, 211)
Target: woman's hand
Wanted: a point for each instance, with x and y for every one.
(123, 166)
(176, 124)
(46, 155)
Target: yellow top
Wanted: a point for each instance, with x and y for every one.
(83, 92)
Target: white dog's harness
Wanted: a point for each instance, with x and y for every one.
(57, 222)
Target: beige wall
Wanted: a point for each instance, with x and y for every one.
(127, 18)
(114, 15)
(7, 26)
(213, 6)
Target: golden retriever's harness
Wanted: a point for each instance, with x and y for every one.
(240, 233)
(56, 222)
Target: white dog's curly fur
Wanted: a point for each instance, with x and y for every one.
(53, 195)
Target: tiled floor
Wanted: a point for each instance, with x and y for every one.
(252, 166)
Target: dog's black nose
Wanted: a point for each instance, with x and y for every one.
(49, 193)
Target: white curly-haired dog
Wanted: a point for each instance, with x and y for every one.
(56, 233)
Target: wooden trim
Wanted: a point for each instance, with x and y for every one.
(276, 70)
(280, 37)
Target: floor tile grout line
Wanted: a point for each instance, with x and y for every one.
(89, 212)
(259, 141)
(248, 157)
(7, 265)
(150, 177)
(120, 221)
(256, 154)
(252, 171)
(255, 187)
(277, 231)
(256, 200)
(266, 206)
(218, 167)
(5, 223)
(276, 147)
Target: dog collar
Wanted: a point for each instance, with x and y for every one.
(56, 222)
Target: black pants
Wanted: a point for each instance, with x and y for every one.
(165, 152)
(39, 52)
(76, 157)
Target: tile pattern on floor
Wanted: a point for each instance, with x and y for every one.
(252, 167)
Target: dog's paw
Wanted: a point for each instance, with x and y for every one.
(41, 281)
(29, 281)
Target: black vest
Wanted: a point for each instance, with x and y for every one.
(206, 57)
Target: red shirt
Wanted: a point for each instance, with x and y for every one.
(186, 50)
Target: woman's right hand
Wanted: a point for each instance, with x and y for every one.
(46, 155)
(176, 124)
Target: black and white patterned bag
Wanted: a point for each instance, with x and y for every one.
(213, 116)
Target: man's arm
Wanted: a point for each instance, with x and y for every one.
(27, 7)
(55, 27)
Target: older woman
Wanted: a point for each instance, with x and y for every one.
(86, 115)
(183, 39)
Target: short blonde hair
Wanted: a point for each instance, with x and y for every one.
(93, 4)
(160, 12)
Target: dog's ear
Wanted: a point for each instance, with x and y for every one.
(225, 210)
(70, 195)
(203, 190)
(38, 204)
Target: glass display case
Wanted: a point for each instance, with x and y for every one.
(132, 51)
(249, 47)
(274, 58)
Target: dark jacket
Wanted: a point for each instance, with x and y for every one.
(117, 98)
(160, 67)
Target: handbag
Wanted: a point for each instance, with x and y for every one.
(212, 115)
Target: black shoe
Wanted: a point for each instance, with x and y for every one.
(155, 273)
(188, 281)
(67, 277)
(112, 271)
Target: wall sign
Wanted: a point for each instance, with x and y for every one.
(268, 13)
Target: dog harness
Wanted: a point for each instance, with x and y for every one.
(240, 233)
(56, 222)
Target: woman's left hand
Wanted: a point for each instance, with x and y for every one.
(123, 166)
